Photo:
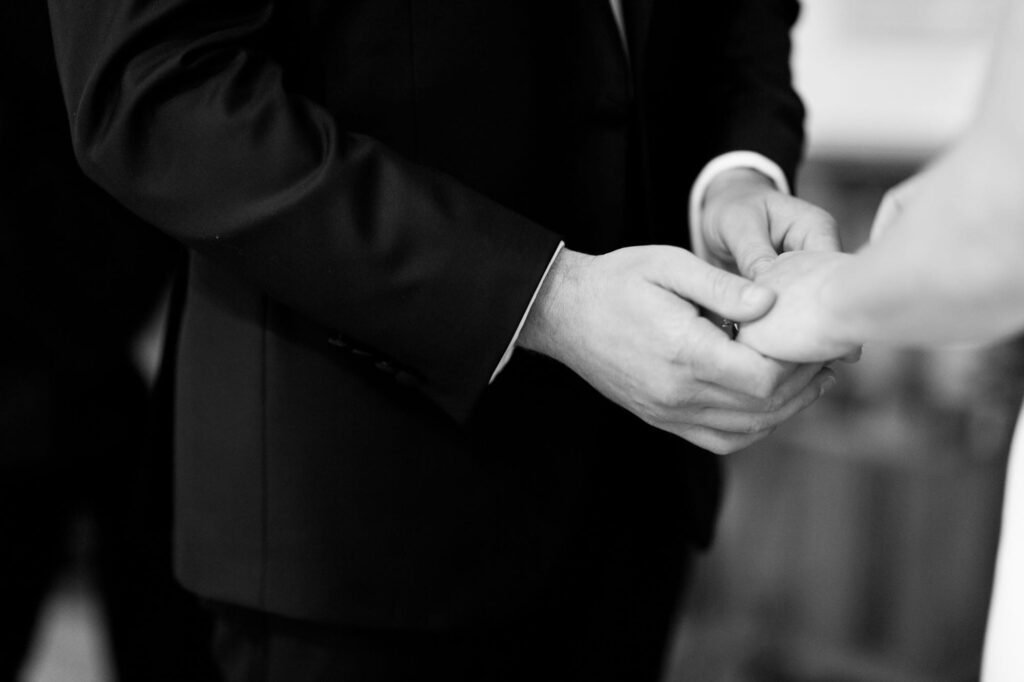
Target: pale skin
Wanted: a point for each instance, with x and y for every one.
(629, 322)
(948, 264)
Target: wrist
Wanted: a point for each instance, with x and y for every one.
(735, 180)
(548, 327)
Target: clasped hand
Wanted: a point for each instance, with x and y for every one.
(629, 322)
(800, 327)
(633, 329)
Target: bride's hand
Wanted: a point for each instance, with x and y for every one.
(799, 327)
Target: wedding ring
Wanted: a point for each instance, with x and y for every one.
(730, 328)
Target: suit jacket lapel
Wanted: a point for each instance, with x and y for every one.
(637, 18)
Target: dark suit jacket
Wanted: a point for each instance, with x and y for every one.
(371, 192)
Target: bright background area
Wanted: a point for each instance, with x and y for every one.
(857, 543)
(890, 78)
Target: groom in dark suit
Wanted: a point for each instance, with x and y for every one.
(421, 434)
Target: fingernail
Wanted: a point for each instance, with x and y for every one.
(826, 385)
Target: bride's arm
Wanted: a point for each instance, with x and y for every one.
(948, 269)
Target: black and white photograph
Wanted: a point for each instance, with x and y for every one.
(512, 341)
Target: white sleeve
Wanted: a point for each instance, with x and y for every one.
(515, 337)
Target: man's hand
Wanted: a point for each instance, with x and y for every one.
(799, 328)
(746, 222)
(628, 322)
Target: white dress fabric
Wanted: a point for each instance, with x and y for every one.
(1003, 659)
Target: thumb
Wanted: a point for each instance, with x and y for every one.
(754, 258)
(802, 226)
(722, 292)
(746, 240)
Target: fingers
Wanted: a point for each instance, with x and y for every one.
(795, 378)
(715, 359)
(727, 294)
(719, 442)
(724, 431)
(778, 410)
(787, 381)
(753, 233)
(674, 368)
(799, 226)
(740, 234)
(753, 255)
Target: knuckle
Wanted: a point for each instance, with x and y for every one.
(665, 395)
(768, 404)
(757, 263)
(759, 423)
(701, 368)
(776, 402)
(763, 388)
(720, 284)
(700, 358)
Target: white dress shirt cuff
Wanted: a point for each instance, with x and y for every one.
(727, 161)
(515, 337)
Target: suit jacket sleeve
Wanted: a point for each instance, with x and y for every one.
(178, 111)
(763, 112)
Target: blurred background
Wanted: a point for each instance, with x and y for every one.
(857, 543)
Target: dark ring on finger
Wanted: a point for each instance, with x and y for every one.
(731, 329)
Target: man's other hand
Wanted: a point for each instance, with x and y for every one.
(746, 222)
